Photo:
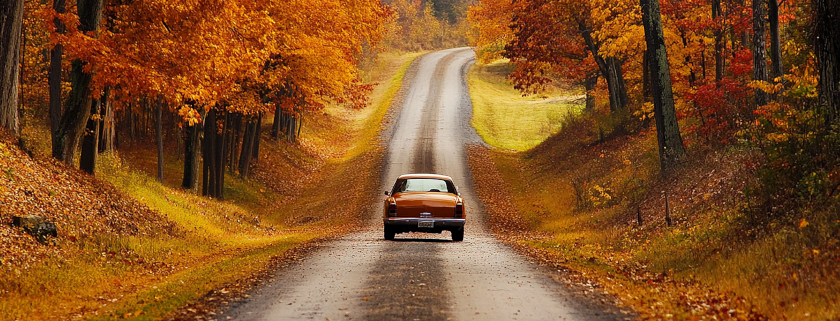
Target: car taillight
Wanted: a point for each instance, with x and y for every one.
(459, 210)
(392, 209)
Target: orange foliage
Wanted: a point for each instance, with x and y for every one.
(229, 53)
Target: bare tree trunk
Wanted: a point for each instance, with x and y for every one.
(107, 132)
(90, 140)
(776, 70)
(192, 154)
(55, 71)
(256, 154)
(646, 75)
(759, 51)
(222, 146)
(131, 121)
(667, 129)
(77, 112)
(11, 24)
(589, 84)
(275, 128)
(717, 11)
(618, 76)
(247, 147)
(611, 71)
(209, 150)
(236, 142)
(827, 49)
(291, 128)
(159, 136)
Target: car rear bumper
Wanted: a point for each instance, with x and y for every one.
(411, 223)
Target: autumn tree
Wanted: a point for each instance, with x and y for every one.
(78, 107)
(220, 72)
(493, 21)
(564, 37)
(11, 19)
(426, 25)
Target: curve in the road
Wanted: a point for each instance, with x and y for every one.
(421, 276)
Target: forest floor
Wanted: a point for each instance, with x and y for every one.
(131, 247)
(597, 209)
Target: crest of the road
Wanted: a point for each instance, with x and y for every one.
(421, 276)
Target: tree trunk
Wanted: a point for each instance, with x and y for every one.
(131, 121)
(610, 69)
(209, 150)
(618, 78)
(827, 49)
(291, 128)
(192, 154)
(717, 11)
(759, 51)
(776, 70)
(90, 140)
(55, 71)
(77, 110)
(222, 145)
(11, 24)
(107, 132)
(159, 136)
(646, 75)
(275, 128)
(247, 147)
(236, 142)
(191, 144)
(258, 137)
(589, 84)
(667, 129)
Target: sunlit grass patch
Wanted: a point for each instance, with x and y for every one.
(340, 133)
(507, 120)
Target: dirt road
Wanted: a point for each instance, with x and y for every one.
(419, 276)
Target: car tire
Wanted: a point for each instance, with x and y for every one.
(458, 235)
(389, 234)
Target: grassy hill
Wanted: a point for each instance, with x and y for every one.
(597, 208)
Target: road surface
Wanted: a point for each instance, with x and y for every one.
(421, 276)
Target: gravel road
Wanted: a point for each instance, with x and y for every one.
(421, 276)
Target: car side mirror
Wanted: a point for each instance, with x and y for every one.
(387, 193)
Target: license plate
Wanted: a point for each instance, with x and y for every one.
(426, 224)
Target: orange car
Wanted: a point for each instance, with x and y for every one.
(424, 203)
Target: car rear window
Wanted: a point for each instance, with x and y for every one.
(424, 185)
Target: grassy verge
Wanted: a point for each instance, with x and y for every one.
(185, 246)
(505, 119)
(575, 204)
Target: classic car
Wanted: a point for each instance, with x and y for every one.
(427, 203)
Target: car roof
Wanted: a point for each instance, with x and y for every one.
(404, 176)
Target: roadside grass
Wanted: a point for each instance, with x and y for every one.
(388, 71)
(507, 120)
(578, 200)
(299, 193)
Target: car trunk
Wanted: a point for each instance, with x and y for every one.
(440, 205)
